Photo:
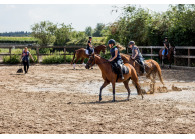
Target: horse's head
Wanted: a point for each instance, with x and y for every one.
(90, 62)
(173, 50)
(100, 48)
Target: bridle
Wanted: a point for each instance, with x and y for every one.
(90, 65)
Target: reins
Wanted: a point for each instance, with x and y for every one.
(100, 62)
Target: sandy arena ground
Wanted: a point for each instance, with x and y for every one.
(58, 100)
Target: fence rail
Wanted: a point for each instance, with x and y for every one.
(21, 46)
(188, 56)
(151, 54)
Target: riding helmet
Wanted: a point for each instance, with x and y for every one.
(131, 43)
(166, 37)
(112, 41)
(90, 37)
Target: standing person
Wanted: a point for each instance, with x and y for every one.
(89, 46)
(25, 59)
(136, 55)
(166, 44)
(116, 57)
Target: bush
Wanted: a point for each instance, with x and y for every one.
(15, 59)
(53, 59)
(45, 50)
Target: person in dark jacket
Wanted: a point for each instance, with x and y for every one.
(25, 59)
(89, 46)
(167, 45)
(116, 57)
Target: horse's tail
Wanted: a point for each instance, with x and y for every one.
(73, 57)
(159, 73)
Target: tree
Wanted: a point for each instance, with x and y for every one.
(63, 34)
(88, 31)
(149, 28)
(98, 30)
(45, 32)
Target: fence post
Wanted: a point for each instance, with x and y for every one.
(189, 60)
(10, 53)
(175, 60)
(37, 54)
(64, 55)
(151, 52)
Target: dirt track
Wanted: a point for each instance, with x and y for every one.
(57, 99)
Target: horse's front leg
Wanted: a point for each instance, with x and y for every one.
(170, 62)
(103, 86)
(163, 58)
(113, 87)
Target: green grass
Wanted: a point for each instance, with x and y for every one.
(17, 39)
(95, 41)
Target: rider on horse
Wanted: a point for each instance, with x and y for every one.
(136, 55)
(89, 46)
(116, 57)
(166, 45)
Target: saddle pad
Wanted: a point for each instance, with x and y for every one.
(87, 52)
(125, 69)
(163, 52)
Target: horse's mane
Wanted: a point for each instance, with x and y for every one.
(101, 57)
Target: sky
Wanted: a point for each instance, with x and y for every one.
(20, 17)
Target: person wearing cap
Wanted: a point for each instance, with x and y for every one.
(25, 59)
(89, 46)
(116, 57)
(166, 44)
(136, 55)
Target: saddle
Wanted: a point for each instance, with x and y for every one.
(87, 51)
(115, 69)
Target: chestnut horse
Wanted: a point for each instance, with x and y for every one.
(110, 77)
(151, 68)
(170, 55)
(80, 53)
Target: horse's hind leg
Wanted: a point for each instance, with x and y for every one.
(76, 60)
(154, 77)
(103, 86)
(126, 83)
(82, 60)
(152, 83)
